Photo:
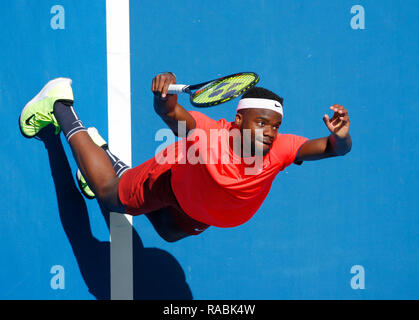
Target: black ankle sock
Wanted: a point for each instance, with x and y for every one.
(117, 164)
(67, 119)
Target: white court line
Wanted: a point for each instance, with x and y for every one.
(119, 135)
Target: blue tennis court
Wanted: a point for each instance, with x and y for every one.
(340, 228)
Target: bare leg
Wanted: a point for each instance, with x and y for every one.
(92, 160)
(97, 169)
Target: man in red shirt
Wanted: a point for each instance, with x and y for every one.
(218, 175)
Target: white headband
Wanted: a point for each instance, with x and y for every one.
(259, 103)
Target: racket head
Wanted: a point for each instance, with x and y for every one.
(223, 89)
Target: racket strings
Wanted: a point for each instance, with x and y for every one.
(226, 89)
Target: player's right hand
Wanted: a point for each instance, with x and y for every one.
(161, 83)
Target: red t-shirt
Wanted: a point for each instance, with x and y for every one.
(214, 185)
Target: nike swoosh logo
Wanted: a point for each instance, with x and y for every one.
(27, 120)
(277, 105)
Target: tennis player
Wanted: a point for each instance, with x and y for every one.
(184, 197)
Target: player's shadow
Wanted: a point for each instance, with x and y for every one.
(157, 274)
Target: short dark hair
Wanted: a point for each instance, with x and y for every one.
(259, 92)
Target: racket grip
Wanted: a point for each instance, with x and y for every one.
(176, 88)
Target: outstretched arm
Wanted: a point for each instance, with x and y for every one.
(166, 105)
(338, 143)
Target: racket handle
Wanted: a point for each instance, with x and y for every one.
(176, 88)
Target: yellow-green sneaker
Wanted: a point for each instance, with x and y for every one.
(81, 181)
(84, 187)
(39, 112)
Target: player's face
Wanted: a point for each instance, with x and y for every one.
(267, 121)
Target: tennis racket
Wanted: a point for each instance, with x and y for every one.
(216, 91)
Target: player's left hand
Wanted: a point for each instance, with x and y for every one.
(339, 123)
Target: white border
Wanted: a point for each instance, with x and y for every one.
(119, 135)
